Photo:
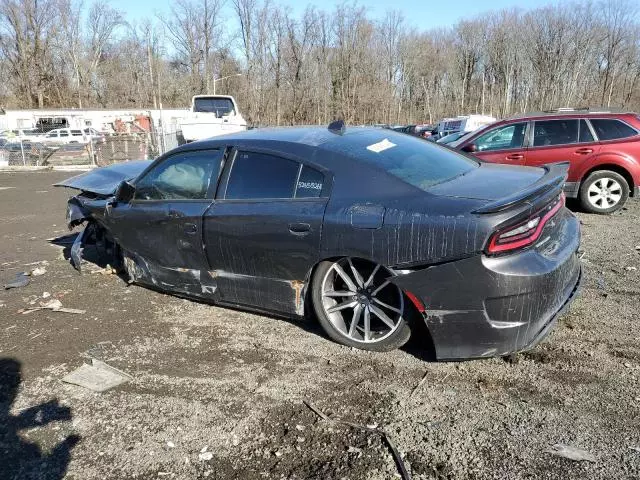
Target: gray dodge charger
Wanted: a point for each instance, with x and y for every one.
(372, 232)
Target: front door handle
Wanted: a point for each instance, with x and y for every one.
(584, 151)
(299, 228)
(515, 156)
(190, 228)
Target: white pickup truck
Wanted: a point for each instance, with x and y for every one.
(210, 116)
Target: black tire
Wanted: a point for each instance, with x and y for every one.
(587, 198)
(395, 340)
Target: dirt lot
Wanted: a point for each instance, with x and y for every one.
(235, 382)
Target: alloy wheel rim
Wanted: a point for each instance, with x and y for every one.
(604, 193)
(360, 300)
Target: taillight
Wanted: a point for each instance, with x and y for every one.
(525, 233)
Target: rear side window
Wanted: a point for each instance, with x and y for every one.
(64, 133)
(260, 176)
(555, 132)
(310, 183)
(610, 129)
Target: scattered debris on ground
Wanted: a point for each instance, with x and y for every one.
(234, 380)
(98, 376)
(572, 453)
(54, 305)
(21, 280)
(38, 271)
(404, 473)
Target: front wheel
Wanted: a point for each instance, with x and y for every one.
(358, 306)
(604, 192)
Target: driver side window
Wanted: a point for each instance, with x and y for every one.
(183, 176)
(502, 138)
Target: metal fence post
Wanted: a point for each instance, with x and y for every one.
(91, 151)
(24, 160)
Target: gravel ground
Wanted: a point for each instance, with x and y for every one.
(218, 393)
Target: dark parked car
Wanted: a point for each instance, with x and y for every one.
(602, 148)
(370, 229)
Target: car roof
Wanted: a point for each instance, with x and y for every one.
(316, 145)
(310, 136)
(569, 112)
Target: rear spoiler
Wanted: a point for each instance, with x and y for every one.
(553, 179)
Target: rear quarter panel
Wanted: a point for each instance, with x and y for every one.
(625, 155)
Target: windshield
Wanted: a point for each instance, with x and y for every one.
(411, 159)
(219, 106)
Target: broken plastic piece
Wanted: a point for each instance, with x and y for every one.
(36, 272)
(21, 280)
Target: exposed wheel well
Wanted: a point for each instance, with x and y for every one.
(614, 168)
(421, 342)
(306, 295)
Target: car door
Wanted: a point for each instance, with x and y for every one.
(160, 230)
(262, 234)
(503, 144)
(562, 140)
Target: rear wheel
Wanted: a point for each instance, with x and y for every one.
(358, 306)
(604, 192)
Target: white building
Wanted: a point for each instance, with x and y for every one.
(103, 120)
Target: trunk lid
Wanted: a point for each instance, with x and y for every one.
(505, 186)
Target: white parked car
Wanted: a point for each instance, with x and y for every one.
(63, 136)
(22, 134)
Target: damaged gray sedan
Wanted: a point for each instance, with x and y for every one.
(371, 230)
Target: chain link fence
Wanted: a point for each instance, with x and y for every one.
(100, 151)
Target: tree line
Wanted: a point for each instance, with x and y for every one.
(312, 68)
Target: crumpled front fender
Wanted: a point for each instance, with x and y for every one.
(76, 213)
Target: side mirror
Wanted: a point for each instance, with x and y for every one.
(471, 148)
(125, 192)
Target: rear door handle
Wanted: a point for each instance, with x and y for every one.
(299, 228)
(515, 156)
(584, 151)
(190, 228)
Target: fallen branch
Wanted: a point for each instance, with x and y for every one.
(55, 306)
(415, 389)
(404, 473)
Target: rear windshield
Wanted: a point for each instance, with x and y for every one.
(219, 106)
(416, 161)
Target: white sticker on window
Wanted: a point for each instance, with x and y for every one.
(311, 185)
(381, 146)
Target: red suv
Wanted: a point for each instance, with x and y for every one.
(603, 149)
